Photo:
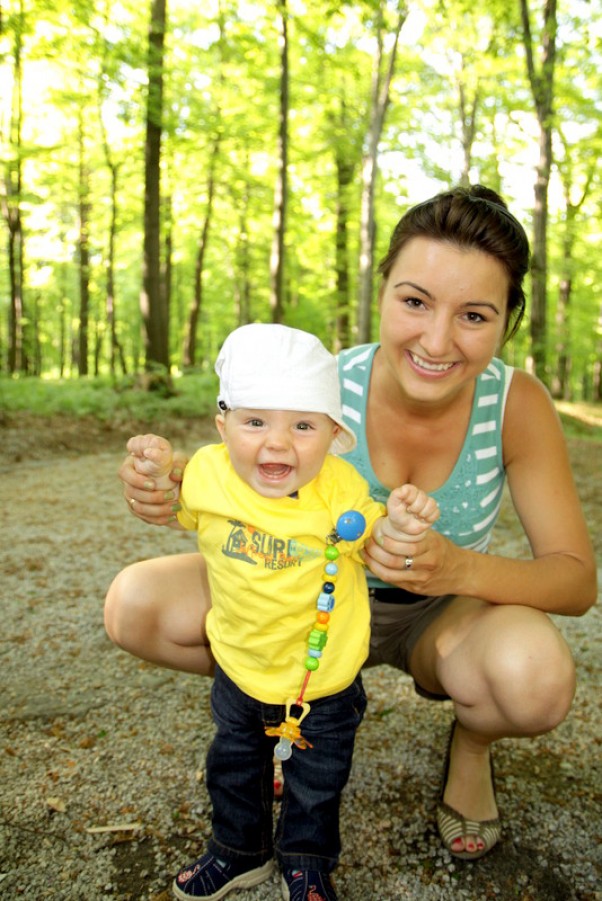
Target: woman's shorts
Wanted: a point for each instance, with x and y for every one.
(397, 622)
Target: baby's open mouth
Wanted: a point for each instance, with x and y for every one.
(275, 470)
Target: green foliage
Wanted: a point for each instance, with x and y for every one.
(193, 396)
(458, 66)
(109, 400)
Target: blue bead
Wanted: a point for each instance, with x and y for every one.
(314, 652)
(328, 587)
(351, 525)
(325, 602)
(331, 568)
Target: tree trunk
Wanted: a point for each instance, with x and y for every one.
(379, 103)
(560, 387)
(17, 356)
(84, 254)
(167, 266)
(115, 347)
(596, 390)
(152, 299)
(345, 174)
(242, 281)
(36, 368)
(281, 188)
(468, 124)
(110, 271)
(197, 300)
(542, 88)
(561, 379)
(10, 202)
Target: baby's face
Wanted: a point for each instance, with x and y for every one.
(276, 452)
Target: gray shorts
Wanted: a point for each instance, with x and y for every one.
(396, 625)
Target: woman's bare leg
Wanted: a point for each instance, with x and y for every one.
(509, 672)
(156, 610)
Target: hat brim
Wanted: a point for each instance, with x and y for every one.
(345, 441)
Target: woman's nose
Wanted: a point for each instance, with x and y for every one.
(437, 336)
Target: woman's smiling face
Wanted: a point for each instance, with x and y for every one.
(443, 316)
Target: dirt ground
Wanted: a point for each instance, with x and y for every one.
(25, 438)
(101, 755)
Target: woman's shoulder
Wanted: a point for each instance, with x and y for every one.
(528, 388)
(531, 418)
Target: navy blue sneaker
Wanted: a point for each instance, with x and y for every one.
(211, 878)
(307, 885)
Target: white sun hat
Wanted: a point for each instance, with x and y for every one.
(265, 366)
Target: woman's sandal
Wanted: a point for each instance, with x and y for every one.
(452, 825)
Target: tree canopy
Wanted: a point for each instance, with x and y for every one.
(172, 170)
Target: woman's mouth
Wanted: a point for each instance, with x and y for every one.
(428, 366)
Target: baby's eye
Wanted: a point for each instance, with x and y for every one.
(255, 423)
(304, 426)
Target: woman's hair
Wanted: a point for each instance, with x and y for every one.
(474, 218)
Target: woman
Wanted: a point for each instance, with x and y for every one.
(430, 404)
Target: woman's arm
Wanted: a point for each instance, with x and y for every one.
(561, 576)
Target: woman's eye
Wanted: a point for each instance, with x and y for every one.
(414, 303)
(475, 317)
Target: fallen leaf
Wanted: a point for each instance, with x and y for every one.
(114, 827)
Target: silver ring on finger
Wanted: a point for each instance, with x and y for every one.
(409, 562)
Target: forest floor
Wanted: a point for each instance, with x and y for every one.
(101, 755)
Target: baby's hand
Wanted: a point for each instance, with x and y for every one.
(411, 512)
(153, 456)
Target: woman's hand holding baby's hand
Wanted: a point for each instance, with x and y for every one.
(153, 455)
(156, 506)
(436, 563)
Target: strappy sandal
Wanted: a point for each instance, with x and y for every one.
(453, 825)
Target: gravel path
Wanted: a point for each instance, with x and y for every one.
(101, 757)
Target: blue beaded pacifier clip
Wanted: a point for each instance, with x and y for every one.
(350, 526)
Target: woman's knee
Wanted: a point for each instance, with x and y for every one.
(530, 669)
(125, 604)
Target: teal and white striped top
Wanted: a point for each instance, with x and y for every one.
(470, 499)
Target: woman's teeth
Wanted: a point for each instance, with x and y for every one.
(431, 367)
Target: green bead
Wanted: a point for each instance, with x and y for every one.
(331, 552)
(317, 639)
(312, 663)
